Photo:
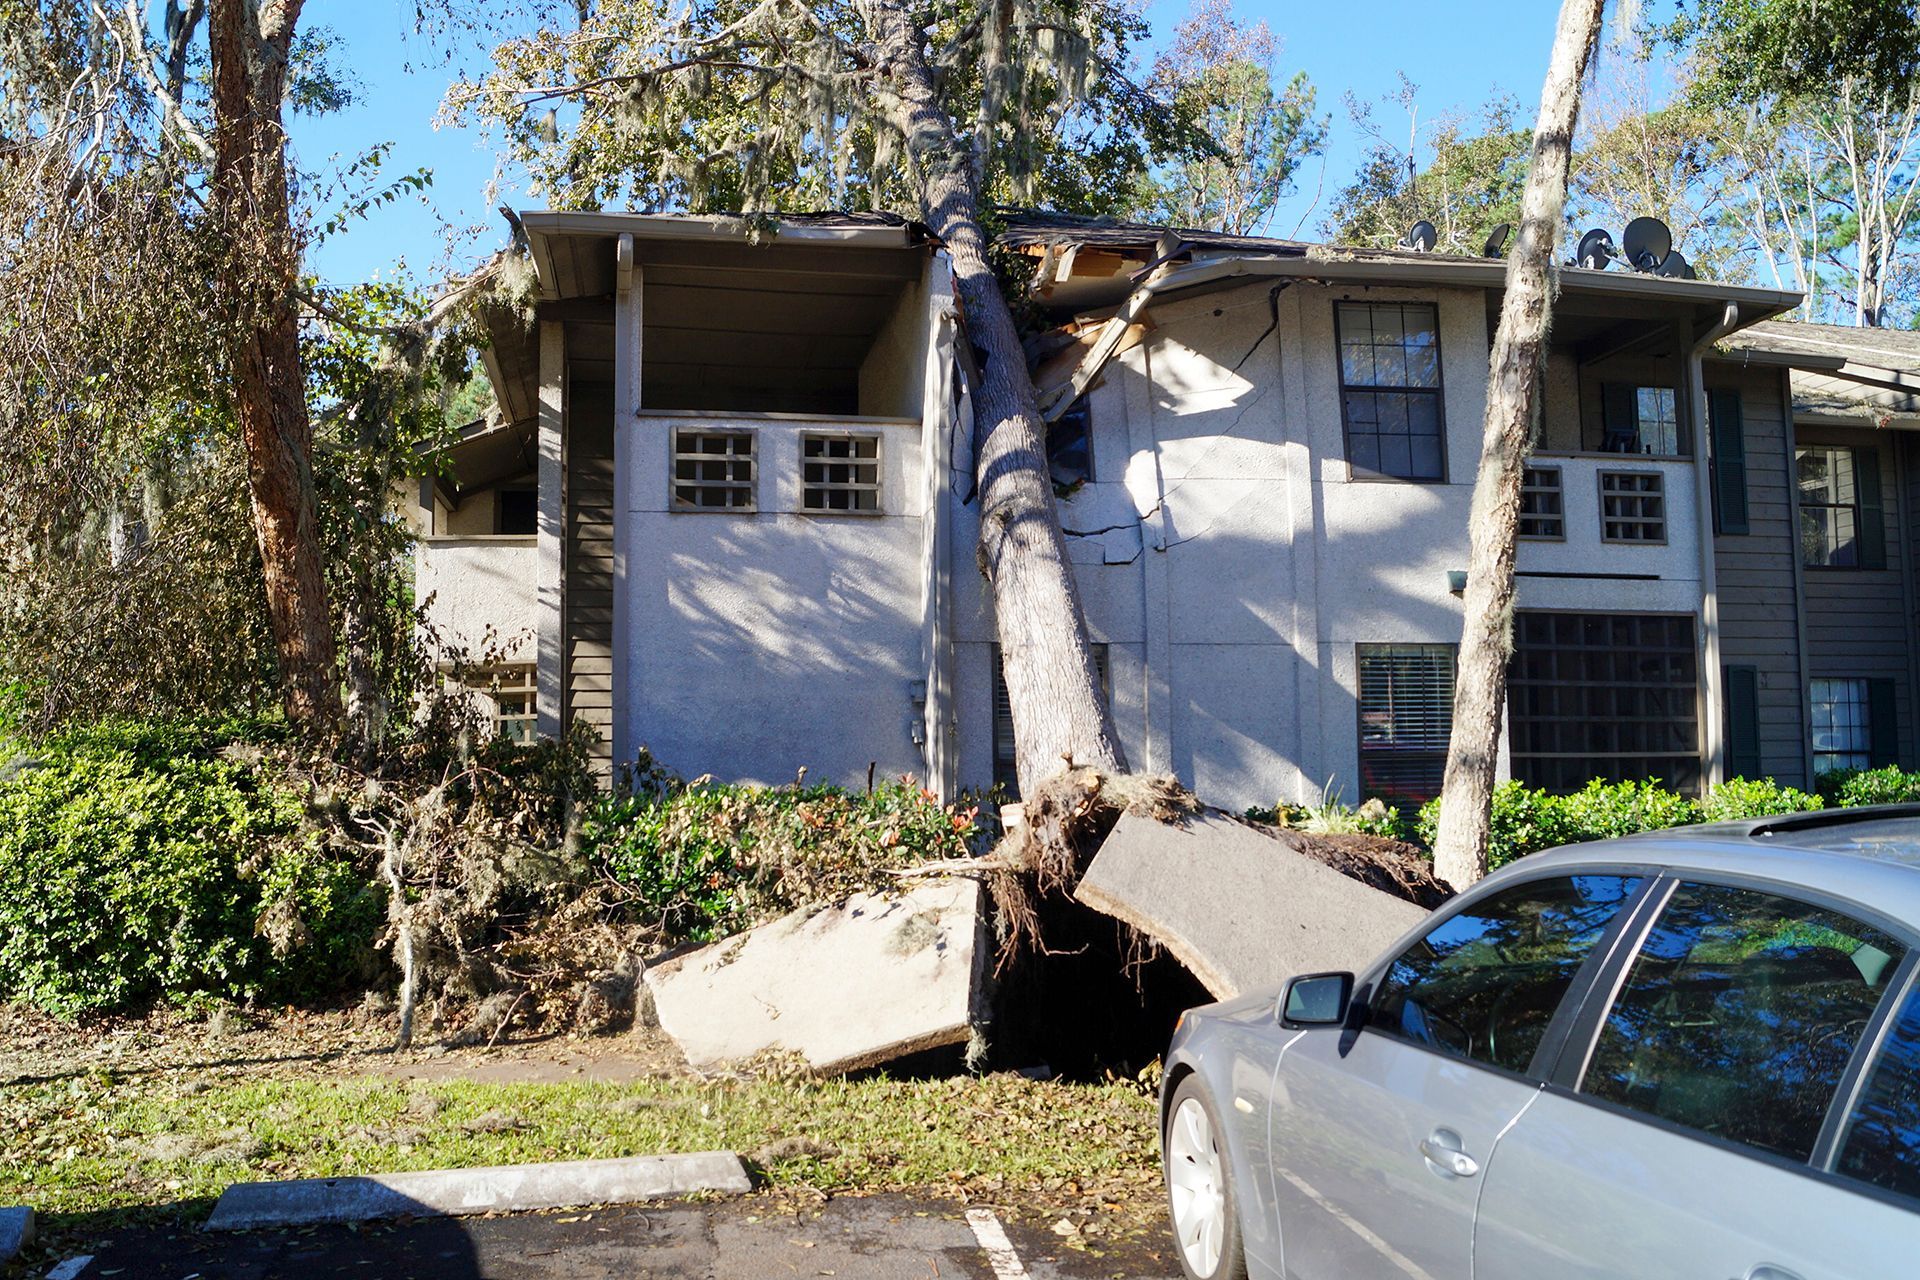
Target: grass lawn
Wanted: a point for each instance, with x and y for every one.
(165, 1145)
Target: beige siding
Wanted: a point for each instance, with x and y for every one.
(1858, 619)
(1755, 575)
(588, 628)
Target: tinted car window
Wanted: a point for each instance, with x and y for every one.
(1485, 983)
(1739, 1014)
(1882, 1142)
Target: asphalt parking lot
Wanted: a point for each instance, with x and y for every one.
(752, 1238)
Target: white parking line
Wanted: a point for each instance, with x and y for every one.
(992, 1236)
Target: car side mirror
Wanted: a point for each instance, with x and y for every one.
(1317, 1000)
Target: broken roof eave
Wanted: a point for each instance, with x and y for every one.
(1755, 303)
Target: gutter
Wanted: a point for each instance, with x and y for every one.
(1712, 719)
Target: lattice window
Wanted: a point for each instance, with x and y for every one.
(1829, 507)
(840, 473)
(1543, 512)
(514, 697)
(1633, 506)
(1406, 719)
(1601, 695)
(713, 470)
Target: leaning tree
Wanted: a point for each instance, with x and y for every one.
(936, 110)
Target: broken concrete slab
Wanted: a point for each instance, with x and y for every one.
(871, 979)
(1239, 907)
(566, 1184)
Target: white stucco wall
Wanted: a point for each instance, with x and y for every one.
(479, 594)
(1237, 565)
(767, 641)
(893, 374)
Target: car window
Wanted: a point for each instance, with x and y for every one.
(1739, 1014)
(1485, 983)
(1881, 1143)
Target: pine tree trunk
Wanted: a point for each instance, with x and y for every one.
(1060, 717)
(1519, 351)
(249, 42)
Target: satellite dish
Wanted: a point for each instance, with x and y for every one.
(1496, 240)
(1677, 266)
(1421, 237)
(1596, 249)
(1647, 242)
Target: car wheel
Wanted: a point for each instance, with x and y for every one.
(1200, 1193)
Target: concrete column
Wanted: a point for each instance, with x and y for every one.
(627, 336)
(1713, 745)
(549, 603)
(1147, 487)
(937, 722)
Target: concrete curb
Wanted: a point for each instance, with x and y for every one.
(452, 1192)
(16, 1231)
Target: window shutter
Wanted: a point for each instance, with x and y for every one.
(1883, 723)
(1873, 520)
(1729, 462)
(1742, 685)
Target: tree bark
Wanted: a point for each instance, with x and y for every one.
(1060, 717)
(250, 42)
(1519, 351)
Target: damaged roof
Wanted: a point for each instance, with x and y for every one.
(1840, 371)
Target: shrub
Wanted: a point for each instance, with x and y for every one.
(1603, 810)
(1751, 798)
(153, 860)
(1527, 821)
(701, 860)
(1886, 785)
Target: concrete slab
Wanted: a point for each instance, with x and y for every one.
(872, 979)
(16, 1231)
(1237, 906)
(454, 1192)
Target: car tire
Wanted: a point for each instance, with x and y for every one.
(1202, 1202)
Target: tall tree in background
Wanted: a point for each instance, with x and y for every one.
(1218, 72)
(251, 46)
(933, 110)
(1474, 170)
(1821, 105)
(1519, 355)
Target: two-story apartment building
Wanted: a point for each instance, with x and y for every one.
(747, 467)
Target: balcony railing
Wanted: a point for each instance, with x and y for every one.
(479, 594)
(1618, 514)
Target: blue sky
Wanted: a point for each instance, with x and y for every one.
(1458, 52)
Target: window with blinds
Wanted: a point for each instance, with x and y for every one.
(1633, 507)
(713, 470)
(1006, 771)
(840, 473)
(1543, 513)
(1406, 719)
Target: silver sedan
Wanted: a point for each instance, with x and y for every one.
(1690, 1054)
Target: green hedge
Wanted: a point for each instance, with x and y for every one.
(1889, 785)
(1526, 821)
(702, 860)
(141, 861)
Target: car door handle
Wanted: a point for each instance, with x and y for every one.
(1442, 1150)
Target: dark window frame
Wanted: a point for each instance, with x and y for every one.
(531, 494)
(1438, 392)
(1559, 682)
(1076, 420)
(1863, 463)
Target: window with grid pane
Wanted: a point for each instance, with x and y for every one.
(1406, 718)
(839, 472)
(713, 470)
(1006, 770)
(512, 692)
(1633, 506)
(1604, 695)
(1829, 507)
(1390, 389)
(1842, 725)
(1543, 513)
